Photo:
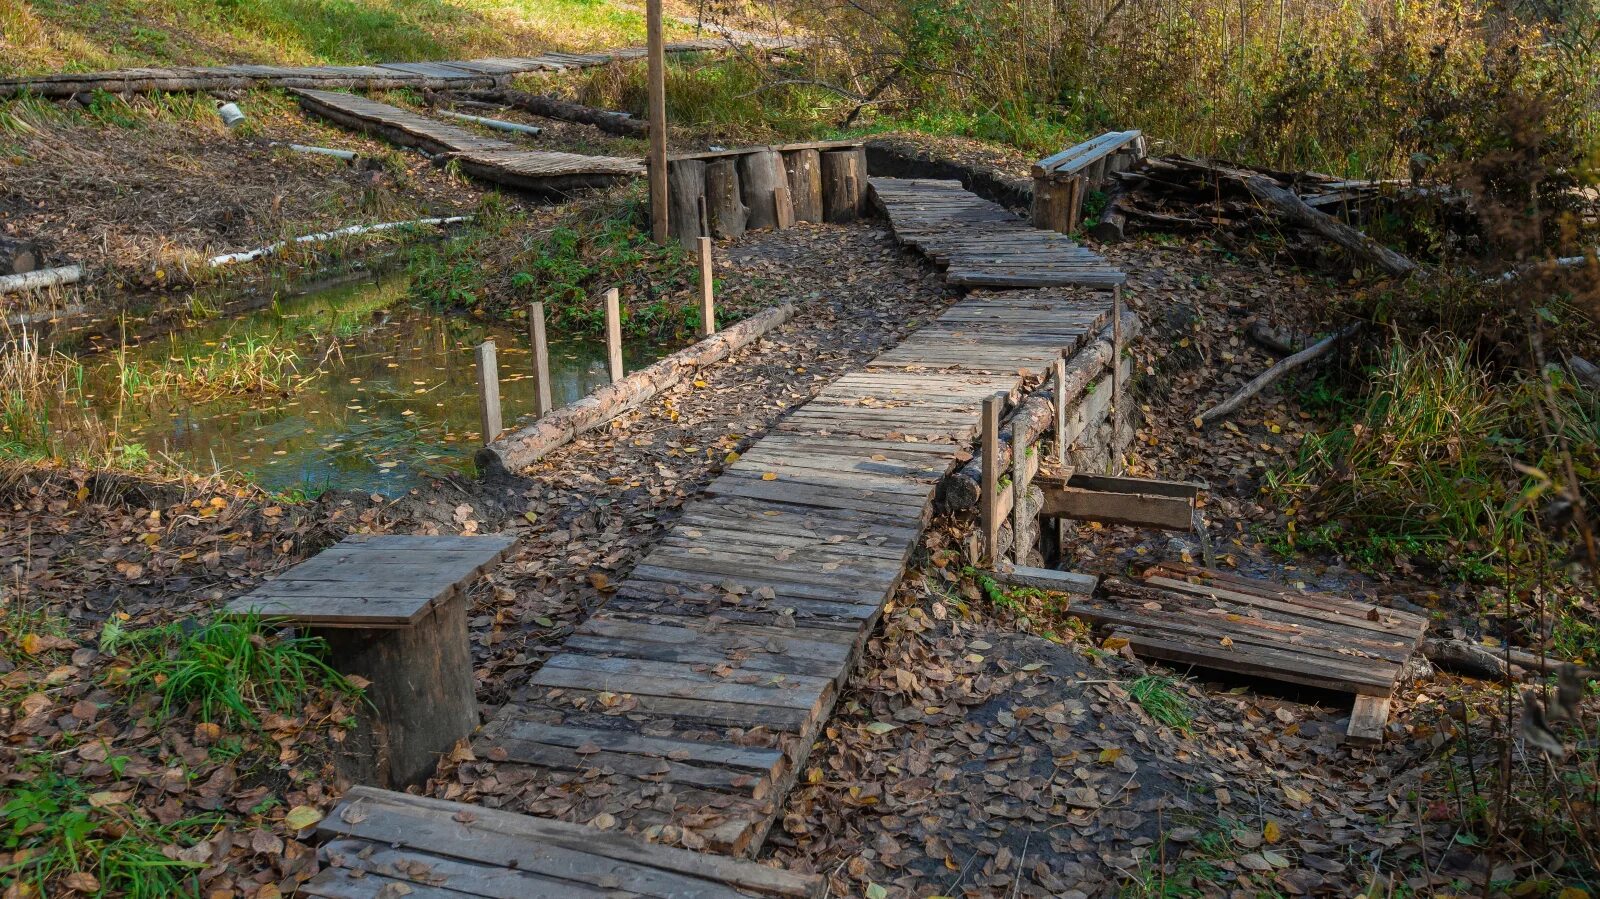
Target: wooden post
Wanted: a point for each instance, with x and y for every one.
(658, 121)
(785, 207)
(1019, 494)
(488, 392)
(1113, 462)
(989, 500)
(541, 360)
(1059, 371)
(708, 302)
(614, 333)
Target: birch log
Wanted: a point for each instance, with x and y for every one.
(39, 280)
(619, 123)
(324, 236)
(519, 449)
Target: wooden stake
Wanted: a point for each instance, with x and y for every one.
(785, 206)
(708, 302)
(1059, 372)
(488, 392)
(988, 501)
(705, 218)
(541, 360)
(1113, 461)
(1019, 494)
(614, 333)
(658, 122)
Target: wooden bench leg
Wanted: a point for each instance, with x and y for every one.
(422, 698)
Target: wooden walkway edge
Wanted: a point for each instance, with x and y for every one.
(449, 75)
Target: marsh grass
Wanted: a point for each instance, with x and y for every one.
(232, 671)
(62, 836)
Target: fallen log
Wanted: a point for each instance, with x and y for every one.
(18, 257)
(525, 446)
(39, 280)
(1113, 219)
(1271, 375)
(493, 124)
(1465, 658)
(324, 236)
(962, 488)
(618, 123)
(1288, 204)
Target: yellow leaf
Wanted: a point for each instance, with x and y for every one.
(1271, 833)
(770, 476)
(1295, 795)
(730, 458)
(1114, 643)
(699, 383)
(1226, 641)
(1109, 755)
(300, 817)
(31, 643)
(1573, 893)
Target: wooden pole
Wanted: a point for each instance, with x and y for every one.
(989, 499)
(1059, 375)
(541, 360)
(1019, 495)
(708, 301)
(488, 392)
(1113, 460)
(658, 122)
(614, 333)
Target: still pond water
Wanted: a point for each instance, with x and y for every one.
(395, 398)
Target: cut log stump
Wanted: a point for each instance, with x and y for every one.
(804, 170)
(844, 184)
(725, 210)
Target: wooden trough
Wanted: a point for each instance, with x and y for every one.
(724, 193)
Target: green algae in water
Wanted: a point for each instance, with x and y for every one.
(385, 393)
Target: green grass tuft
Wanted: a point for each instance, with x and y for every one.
(1163, 700)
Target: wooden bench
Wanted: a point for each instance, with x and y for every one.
(393, 611)
(1060, 181)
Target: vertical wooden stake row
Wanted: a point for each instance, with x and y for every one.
(614, 333)
(708, 300)
(1113, 463)
(541, 360)
(488, 392)
(1019, 495)
(988, 502)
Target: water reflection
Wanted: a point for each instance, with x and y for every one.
(396, 397)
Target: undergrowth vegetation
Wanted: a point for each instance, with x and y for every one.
(505, 261)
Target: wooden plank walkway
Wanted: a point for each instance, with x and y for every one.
(489, 158)
(981, 244)
(384, 844)
(683, 708)
(451, 75)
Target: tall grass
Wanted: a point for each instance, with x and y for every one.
(1434, 462)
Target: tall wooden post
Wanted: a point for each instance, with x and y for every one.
(488, 392)
(1113, 463)
(708, 302)
(614, 333)
(658, 122)
(1019, 495)
(541, 360)
(1058, 372)
(988, 502)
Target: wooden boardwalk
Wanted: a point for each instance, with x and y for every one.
(490, 158)
(452, 75)
(682, 709)
(981, 244)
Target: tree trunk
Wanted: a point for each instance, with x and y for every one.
(521, 448)
(1113, 221)
(724, 201)
(686, 180)
(804, 170)
(759, 174)
(844, 184)
(18, 257)
(1291, 207)
(619, 123)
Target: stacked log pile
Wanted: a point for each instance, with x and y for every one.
(726, 192)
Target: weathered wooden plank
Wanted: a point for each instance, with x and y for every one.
(1368, 718)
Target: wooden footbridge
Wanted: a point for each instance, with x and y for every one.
(464, 74)
(489, 158)
(679, 714)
